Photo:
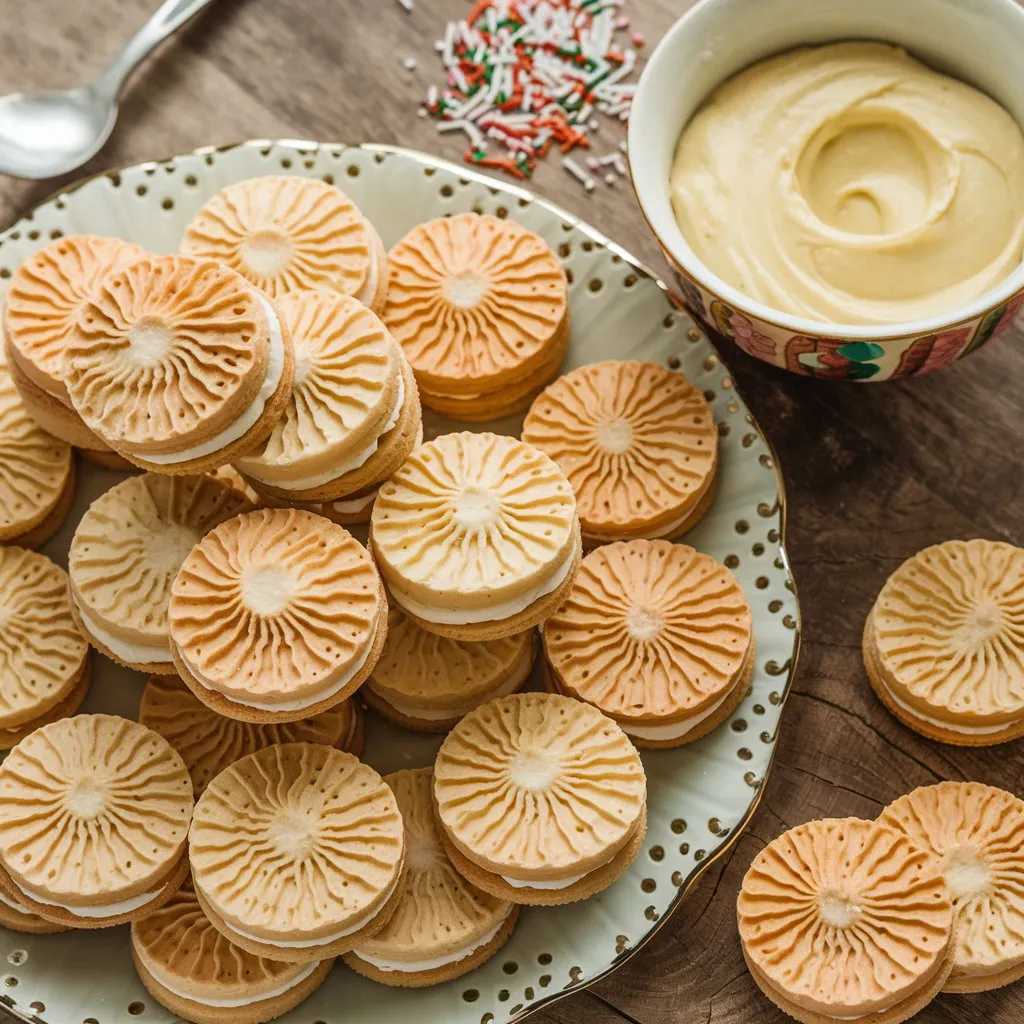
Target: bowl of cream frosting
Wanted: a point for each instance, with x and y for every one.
(840, 186)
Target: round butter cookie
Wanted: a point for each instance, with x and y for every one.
(481, 307)
(276, 615)
(541, 799)
(189, 968)
(179, 365)
(37, 473)
(657, 636)
(16, 918)
(208, 742)
(444, 926)
(44, 659)
(298, 852)
(974, 835)
(428, 682)
(476, 536)
(291, 234)
(46, 296)
(846, 919)
(230, 476)
(125, 554)
(639, 446)
(94, 814)
(944, 643)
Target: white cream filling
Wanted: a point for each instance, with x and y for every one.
(7, 902)
(354, 505)
(157, 973)
(557, 883)
(39, 377)
(245, 422)
(493, 612)
(136, 654)
(107, 910)
(653, 534)
(967, 730)
(672, 730)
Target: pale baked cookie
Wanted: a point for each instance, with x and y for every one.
(208, 742)
(17, 918)
(94, 814)
(276, 615)
(289, 234)
(125, 554)
(444, 927)
(638, 444)
(230, 476)
(512, 769)
(195, 972)
(974, 835)
(298, 852)
(846, 919)
(944, 643)
(46, 296)
(180, 365)
(44, 659)
(427, 682)
(481, 307)
(657, 636)
(476, 536)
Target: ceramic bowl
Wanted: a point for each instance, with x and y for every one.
(979, 41)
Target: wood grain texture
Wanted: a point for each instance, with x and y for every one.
(873, 473)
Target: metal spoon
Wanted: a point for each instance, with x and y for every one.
(49, 133)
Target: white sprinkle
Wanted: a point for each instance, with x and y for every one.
(620, 166)
(407, 5)
(622, 145)
(578, 173)
(610, 179)
(409, 64)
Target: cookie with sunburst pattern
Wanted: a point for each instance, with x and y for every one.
(944, 643)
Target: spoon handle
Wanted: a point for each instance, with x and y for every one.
(170, 17)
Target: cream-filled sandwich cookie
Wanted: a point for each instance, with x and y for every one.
(428, 682)
(191, 969)
(444, 927)
(974, 835)
(276, 615)
(292, 234)
(298, 852)
(16, 917)
(657, 636)
(230, 476)
(944, 643)
(94, 815)
(208, 742)
(477, 536)
(638, 444)
(43, 303)
(540, 799)
(44, 659)
(125, 554)
(180, 365)
(481, 307)
(845, 919)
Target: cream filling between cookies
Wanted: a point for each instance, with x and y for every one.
(654, 533)
(556, 883)
(136, 654)
(351, 507)
(245, 422)
(671, 730)
(967, 730)
(8, 902)
(107, 910)
(157, 972)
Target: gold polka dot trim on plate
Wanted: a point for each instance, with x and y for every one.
(974, 835)
(844, 918)
(637, 442)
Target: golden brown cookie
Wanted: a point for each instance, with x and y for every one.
(16, 918)
(637, 442)
(230, 476)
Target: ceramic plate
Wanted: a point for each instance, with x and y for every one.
(700, 795)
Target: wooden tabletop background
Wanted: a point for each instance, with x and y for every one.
(873, 472)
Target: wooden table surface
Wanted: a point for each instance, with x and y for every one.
(873, 473)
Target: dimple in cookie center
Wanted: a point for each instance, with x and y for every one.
(615, 438)
(967, 875)
(266, 589)
(150, 340)
(267, 253)
(465, 289)
(292, 834)
(837, 910)
(86, 800)
(476, 507)
(532, 772)
(643, 624)
(981, 625)
(168, 548)
(421, 856)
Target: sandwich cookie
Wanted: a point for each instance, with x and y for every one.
(44, 659)
(209, 742)
(46, 296)
(94, 814)
(476, 536)
(276, 615)
(189, 968)
(845, 919)
(638, 444)
(354, 410)
(180, 365)
(15, 917)
(944, 643)
(540, 799)
(428, 682)
(292, 234)
(125, 554)
(974, 836)
(37, 473)
(444, 927)
(230, 476)
(481, 307)
(657, 636)
(298, 852)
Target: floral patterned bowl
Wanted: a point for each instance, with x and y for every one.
(977, 40)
